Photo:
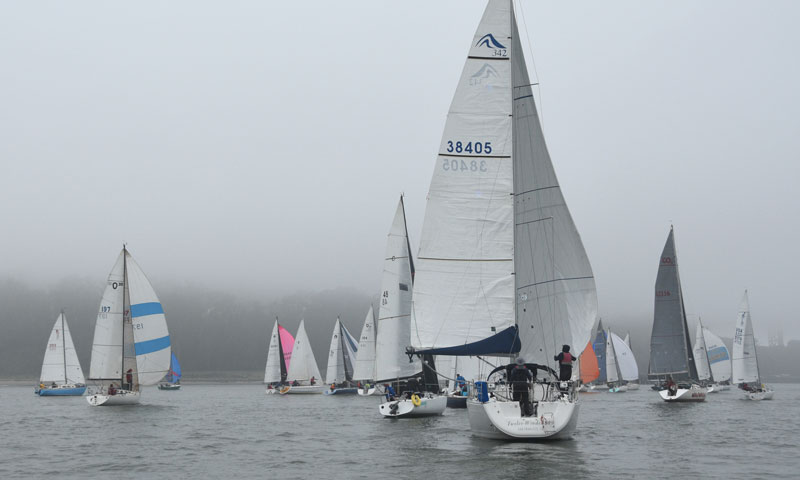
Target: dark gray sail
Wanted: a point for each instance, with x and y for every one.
(670, 350)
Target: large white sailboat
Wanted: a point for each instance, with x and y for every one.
(501, 268)
(341, 357)
(745, 359)
(61, 371)
(393, 367)
(303, 375)
(364, 371)
(131, 342)
(672, 364)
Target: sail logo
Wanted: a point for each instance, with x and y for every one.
(484, 75)
(489, 41)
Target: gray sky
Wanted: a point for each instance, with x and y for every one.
(262, 145)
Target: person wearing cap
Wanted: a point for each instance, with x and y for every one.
(564, 360)
(520, 378)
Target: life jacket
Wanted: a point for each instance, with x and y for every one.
(567, 358)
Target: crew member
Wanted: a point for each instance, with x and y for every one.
(565, 360)
(520, 382)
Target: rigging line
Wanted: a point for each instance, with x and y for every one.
(533, 62)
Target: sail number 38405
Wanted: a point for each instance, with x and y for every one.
(460, 165)
(476, 148)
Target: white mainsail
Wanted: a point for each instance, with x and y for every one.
(272, 372)
(718, 356)
(131, 333)
(744, 362)
(626, 362)
(303, 366)
(501, 266)
(60, 364)
(394, 312)
(341, 355)
(701, 355)
(365, 360)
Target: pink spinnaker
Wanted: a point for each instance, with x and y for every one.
(287, 344)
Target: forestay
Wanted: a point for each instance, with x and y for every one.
(501, 267)
(670, 350)
(394, 313)
(60, 364)
(745, 362)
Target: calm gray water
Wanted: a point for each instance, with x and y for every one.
(233, 431)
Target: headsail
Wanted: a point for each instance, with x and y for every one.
(304, 366)
(341, 355)
(612, 370)
(589, 369)
(106, 362)
(701, 355)
(174, 373)
(599, 345)
(626, 363)
(718, 356)
(365, 360)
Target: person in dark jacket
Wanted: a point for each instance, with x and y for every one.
(565, 360)
(521, 377)
(129, 379)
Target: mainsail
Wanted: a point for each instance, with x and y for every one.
(304, 366)
(670, 347)
(745, 361)
(342, 355)
(501, 267)
(626, 363)
(279, 354)
(701, 355)
(60, 364)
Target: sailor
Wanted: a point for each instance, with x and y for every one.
(565, 360)
(112, 390)
(520, 379)
(313, 381)
(390, 395)
(129, 379)
(672, 387)
(461, 381)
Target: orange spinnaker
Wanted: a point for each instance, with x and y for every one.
(588, 361)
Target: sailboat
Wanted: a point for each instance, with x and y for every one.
(745, 360)
(342, 355)
(131, 342)
(621, 366)
(393, 365)
(61, 371)
(599, 346)
(303, 374)
(501, 267)
(672, 363)
(279, 356)
(364, 371)
(172, 381)
(719, 360)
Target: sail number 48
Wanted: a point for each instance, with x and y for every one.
(469, 147)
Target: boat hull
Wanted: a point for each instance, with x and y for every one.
(301, 390)
(121, 398)
(169, 386)
(61, 392)
(758, 396)
(502, 420)
(694, 394)
(456, 401)
(366, 392)
(430, 405)
(632, 386)
(620, 389)
(342, 391)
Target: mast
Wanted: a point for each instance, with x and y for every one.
(125, 307)
(64, 347)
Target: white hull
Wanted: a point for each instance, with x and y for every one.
(121, 398)
(694, 394)
(712, 388)
(367, 392)
(554, 420)
(301, 389)
(721, 388)
(620, 389)
(632, 386)
(757, 396)
(430, 405)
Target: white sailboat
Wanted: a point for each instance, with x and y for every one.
(633, 382)
(131, 342)
(303, 375)
(745, 359)
(279, 356)
(393, 367)
(61, 371)
(501, 267)
(365, 371)
(672, 362)
(621, 366)
(719, 360)
(341, 357)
